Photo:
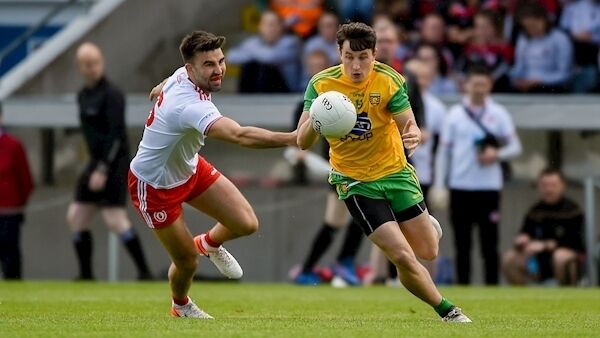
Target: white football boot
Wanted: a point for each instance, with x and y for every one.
(221, 258)
(456, 315)
(189, 310)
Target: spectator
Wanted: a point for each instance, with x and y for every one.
(103, 184)
(488, 48)
(326, 38)
(476, 135)
(403, 13)
(300, 16)
(389, 49)
(442, 83)
(16, 186)
(544, 54)
(550, 241)
(392, 53)
(324, 41)
(433, 32)
(460, 16)
(581, 19)
(269, 60)
(435, 113)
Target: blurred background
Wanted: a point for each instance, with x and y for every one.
(556, 116)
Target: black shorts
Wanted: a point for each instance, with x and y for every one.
(115, 192)
(370, 213)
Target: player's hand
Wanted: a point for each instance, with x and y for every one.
(438, 198)
(97, 180)
(411, 137)
(488, 155)
(155, 92)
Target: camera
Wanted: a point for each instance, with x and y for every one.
(488, 141)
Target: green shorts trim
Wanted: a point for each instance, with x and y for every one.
(402, 189)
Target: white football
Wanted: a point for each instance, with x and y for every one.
(333, 114)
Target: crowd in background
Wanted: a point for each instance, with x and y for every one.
(442, 48)
(531, 46)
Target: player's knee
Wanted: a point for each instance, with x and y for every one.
(430, 252)
(403, 259)
(249, 224)
(187, 263)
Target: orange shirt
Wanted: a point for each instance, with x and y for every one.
(306, 13)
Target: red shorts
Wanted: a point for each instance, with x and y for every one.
(161, 207)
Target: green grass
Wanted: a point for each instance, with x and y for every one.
(55, 309)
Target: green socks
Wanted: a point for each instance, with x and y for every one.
(444, 307)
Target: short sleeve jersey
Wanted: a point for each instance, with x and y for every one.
(174, 133)
(373, 149)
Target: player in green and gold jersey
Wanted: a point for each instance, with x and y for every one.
(370, 171)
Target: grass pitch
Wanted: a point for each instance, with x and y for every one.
(57, 309)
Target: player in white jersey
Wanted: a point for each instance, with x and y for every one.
(167, 170)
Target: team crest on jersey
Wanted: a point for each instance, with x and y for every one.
(160, 216)
(374, 98)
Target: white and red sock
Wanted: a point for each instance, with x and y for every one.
(208, 243)
(181, 301)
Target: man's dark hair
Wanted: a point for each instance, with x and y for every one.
(199, 41)
(360, 36)
(479, 69)
(536, 11)
(552, 171)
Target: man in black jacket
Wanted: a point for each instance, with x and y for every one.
(103, 184)
(550, 241)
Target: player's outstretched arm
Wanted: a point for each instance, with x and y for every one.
(307, 136)
(228, 130)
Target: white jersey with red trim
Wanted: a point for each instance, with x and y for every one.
(174, 133)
